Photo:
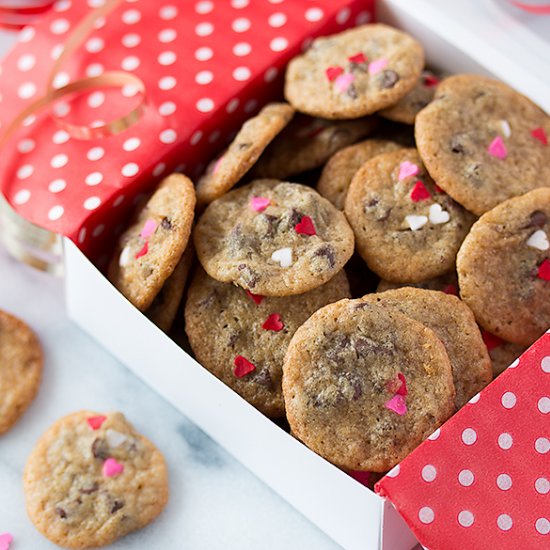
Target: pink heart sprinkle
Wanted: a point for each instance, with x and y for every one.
(407, 169)
(112, 468)
(242, 366)
(343, 82)
(540, 134)
(5, 540)
(333, 72)
(497, 148)
(148, 229)
(377, 65)
(397, 405)
(259, 204)
(95, 422)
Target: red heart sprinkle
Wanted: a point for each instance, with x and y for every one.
(242, 366)
(419, 192)
(334, 72)
(430, 80)
(490, 340)
(451, 289)
(95, 422)
(397, 386)
(438, 189)
(274, 323)
(256, 297)
(544, 270)
(305, 226)
(143, 251)
(358, 58)
(540, 134)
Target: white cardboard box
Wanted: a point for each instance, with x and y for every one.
(348, 512)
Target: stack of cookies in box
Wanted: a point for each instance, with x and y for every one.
(370, 254)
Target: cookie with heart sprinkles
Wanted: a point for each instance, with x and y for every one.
(406, 228)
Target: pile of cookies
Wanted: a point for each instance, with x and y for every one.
(370, 254)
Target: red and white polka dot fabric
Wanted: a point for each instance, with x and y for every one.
(483, 479)
(207, 65)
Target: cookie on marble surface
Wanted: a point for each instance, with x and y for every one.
(21, 364)
(307, 143)
(483, 142)
(273, 238)
(504, 268)
(354, 73)
(242, 338)
(364, 385)
(454, 324)
(447, 283)
(149, 250)
(502, 353)
(406, 228)
(343, 165)
(254, 136)
(92, 479)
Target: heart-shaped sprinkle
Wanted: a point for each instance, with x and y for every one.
(451, 289)
(255, 297)
(438, 189)
(343, 82)
(419, 192)
(217, 165)
(544, 270)
(5, 540)
(540, 135)
(148, 229)
(357, 58)
(305, 226)
(124, 258)
(242, 366)
(114, 438)
(112, 468)
(398, 385)
(497, 148)
(430, 80)
(259, 204)
(283, 257)
(397, 405)
(378, 65)
(438, 215)
(505, 127)
(334, 72)
(416, 222)
(143, 251)
(490, 340)
(274, 323)
(538, 240)
(95, 422)
(407, 169)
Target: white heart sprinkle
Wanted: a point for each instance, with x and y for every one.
(283, 256)
(114, 438)
(416, 222)
(438, 215)
(505, 126)
(124, 257)
(538, 240)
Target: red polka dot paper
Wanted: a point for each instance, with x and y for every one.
(483, 479)
(207, 66)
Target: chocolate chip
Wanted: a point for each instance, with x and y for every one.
(357, 67)
(248, 275)
(388, 79)
(365, 345)
(264, 378)
(100, 449)
(166, 224)
(233, 337)
(537, 219)
(326, 251)
(457, 145)
(208, 301)
(61, 512)
(271, 223)
(117, 505)
(89, 490)
(295, 217)
(352, 92)
(372, 202)
(243, 146)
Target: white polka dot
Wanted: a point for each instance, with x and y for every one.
(429, 473)
(94, 178)
(96, 99)
(95, 44)
(130, 63)
(542, 486)
(167, 108)
(99, 22)
(542, 445)
(394, 472)
(60, 137)
(542, 526)
(62, 5)
(129, 90)
(118, 201)
(61, 109)
(82, 235)
(131, 40)
(239, 4)
(58, 161)
(242, 24)
(466, 478)
(204, 7)
(130, 169)
(214, 136)
(508, 400)
(514, 364)
(22, 196)
(250, 106)
(29, 121)
(232, 105)
(426, 515)
(435, 435)
(59, 26)
(26, 62)
(504, 482)
(545, 364)
(26, 90)
(56, 186)
(204, 29)
(241, 49)
(544, 405)
(204, 77)
(466, 518)
(167, 35)
(96, 3)
(271, 74)
(314, 14)
(98, 230)
(241, 73)
(167, 83)
(26, 145)
(94, 69)
(196, 137)
(55, 212)
(277, 19)
(27, 34)
(204, 54)
(278, 44)
(159, 169)
(168, 136)
(362, 18)
(131, 17)
(469, 436)
(56, 51)
(504, 522)
(343, 15)
(205, 105)
(167, 58)
(91, 203)
(131, 144)
(474, 399)
(168, 12)
(25, 171)
(505, 441)
(275, 1)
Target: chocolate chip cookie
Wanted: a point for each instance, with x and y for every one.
(354, 73)
(273, 238)
(92, 479)
(504, 268)
(483, 142)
